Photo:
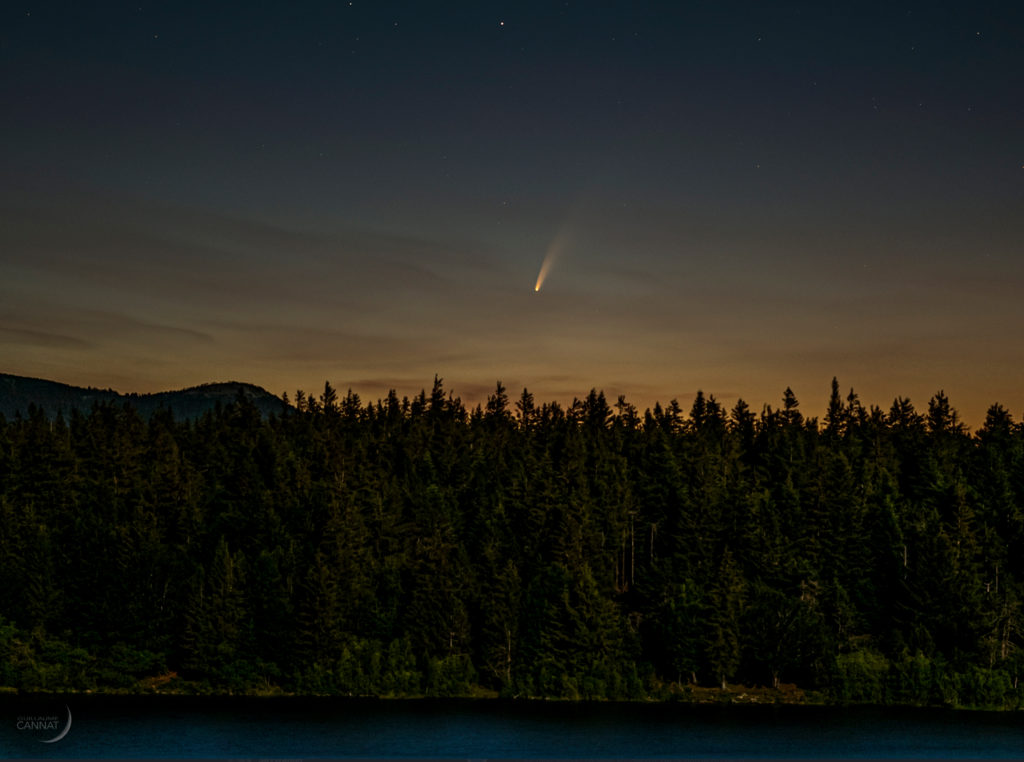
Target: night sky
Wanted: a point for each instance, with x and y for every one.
(732, 196)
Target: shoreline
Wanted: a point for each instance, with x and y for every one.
(692, 696)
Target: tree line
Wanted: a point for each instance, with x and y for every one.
(419, 547)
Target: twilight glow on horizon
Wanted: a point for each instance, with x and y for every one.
(647, 198)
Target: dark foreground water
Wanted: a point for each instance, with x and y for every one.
(157, 726)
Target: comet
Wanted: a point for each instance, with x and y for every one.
(545, 266)
(555, 249)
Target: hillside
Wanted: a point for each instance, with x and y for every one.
(18, 393)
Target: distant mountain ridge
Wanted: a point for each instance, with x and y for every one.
(18, 393)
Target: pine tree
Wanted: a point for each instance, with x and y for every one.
(725, 608)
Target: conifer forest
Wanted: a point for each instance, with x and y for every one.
(418, 547)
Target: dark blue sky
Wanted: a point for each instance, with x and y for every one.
(742, 196)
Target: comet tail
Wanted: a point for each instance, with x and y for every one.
(555, 249)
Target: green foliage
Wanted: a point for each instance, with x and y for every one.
(400, 677)
(414, 547)
(449, 675)
(990, 688)
(919, 680)
(126, 665)
(861, 677)
(8, 653)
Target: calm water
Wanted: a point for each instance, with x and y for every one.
(155, 726)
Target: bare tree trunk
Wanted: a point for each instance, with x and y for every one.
(508, 656)
(632, 553)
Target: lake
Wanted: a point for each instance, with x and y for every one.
(172, 726)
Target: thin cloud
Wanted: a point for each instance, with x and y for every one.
(126, 322)
(34, 338)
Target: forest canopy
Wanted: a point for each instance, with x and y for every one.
(417, 547)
